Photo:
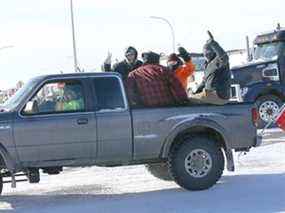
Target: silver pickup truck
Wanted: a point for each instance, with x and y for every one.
(84, 119)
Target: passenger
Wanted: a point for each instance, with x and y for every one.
(126, 66)
(215, 88)
(182, 70)
(153, 85)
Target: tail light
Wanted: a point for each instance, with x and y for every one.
(255, 116)
(280, 119)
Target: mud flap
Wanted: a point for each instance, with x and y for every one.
(13, 181)
(230, 160)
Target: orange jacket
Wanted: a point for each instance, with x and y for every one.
(183, 72)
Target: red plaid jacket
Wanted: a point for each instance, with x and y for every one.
(154, 86)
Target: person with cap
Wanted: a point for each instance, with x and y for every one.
(153, 85)
(182, 70)
(126, 66)
(215, 88)
(72, 99)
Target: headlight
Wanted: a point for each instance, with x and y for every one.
(243, 91)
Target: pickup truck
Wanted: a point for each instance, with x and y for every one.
(84, 119)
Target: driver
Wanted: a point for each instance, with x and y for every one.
(72, 99)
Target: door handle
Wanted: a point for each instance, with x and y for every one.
(82, 121)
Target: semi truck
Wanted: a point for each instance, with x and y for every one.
(262, 80)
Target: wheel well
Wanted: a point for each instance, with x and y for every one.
(271, 92)
(201, 130)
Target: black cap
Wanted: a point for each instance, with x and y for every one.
(131, 50)
(150, 57)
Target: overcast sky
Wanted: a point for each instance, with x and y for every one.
(40, 30)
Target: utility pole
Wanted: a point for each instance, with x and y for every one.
(171, 28)
(73, 38)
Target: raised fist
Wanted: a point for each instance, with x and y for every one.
(108, 59)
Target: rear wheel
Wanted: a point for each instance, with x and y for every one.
(268, 107)
(160, 171)
(197, 163)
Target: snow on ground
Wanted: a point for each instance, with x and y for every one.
(258, 185)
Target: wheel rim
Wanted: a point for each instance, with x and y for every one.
(198, 163)
(268, 110)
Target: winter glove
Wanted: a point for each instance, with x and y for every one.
(222, 58)
(184, 54)
(108, 60)
(210, 35)
(211, 38)
(211, 42)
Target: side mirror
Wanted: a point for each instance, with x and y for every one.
(271, 72)
(31, 108)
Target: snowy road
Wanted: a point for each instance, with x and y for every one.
(258, 185)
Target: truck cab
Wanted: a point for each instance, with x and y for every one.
(262, 80)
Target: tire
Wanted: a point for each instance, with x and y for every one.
(160, 171)
(1, 185)
(187, 171)
(268, 106)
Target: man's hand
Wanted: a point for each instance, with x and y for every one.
(211, 37)
(108, 59)
(184, 54)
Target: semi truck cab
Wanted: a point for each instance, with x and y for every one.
(262, 80)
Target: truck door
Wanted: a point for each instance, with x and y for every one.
(114, 127)
(55, 124)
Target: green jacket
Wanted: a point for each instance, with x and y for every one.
(73, 105)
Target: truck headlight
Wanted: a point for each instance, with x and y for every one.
(243, 91)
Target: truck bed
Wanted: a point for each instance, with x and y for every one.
(153, 127)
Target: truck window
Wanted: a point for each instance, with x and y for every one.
(57, 97)
(19, 96)
(267, 50)
(109, 93)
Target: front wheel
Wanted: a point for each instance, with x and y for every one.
(268, 108)
(197, 163)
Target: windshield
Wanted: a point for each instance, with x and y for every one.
(267, 51)
(16, 99)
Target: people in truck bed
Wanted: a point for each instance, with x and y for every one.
(153, 85)
(182, 70)
(215, 88)
(126, 66)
